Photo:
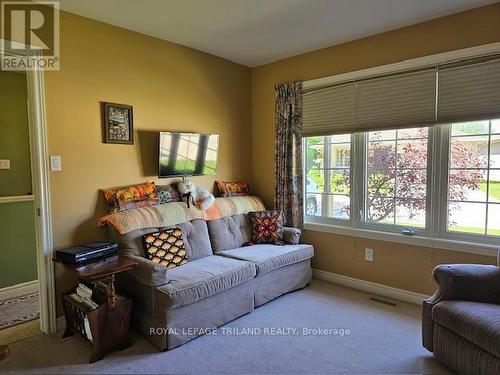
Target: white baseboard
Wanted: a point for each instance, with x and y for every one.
(370, 287)
(19, 290)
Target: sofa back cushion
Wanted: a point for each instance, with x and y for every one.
(196, 239)
(195, 234)
(228, 232)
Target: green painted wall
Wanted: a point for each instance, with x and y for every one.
(14, 138)
(17, 243)
(18, 262)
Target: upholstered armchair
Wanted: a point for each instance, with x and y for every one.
(461, 321)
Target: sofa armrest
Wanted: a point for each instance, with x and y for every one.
(468, 282)
(291, 236)
(147, 272)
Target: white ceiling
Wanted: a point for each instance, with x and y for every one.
(255, 32)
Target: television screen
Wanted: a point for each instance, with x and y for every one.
(187, 154)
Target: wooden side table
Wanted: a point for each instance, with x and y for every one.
(109, 323)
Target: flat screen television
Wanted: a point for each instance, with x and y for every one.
(187, 154)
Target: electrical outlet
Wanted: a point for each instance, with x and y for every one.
(369, 254)
(4, 164)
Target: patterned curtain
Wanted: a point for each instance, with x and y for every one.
(288, 157)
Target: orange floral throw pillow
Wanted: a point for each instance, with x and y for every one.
(266, 227)
(135, 196)
(231, 189)
(166, 247)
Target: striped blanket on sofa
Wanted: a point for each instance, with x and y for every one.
(169, 214)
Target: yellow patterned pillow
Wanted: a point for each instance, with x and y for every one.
(124, 198)
(166, 247)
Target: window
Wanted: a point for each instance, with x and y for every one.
(474, 178)
(382, 180)
(411, 149)
(328, 174)
(396, 177)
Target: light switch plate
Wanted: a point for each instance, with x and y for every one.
(4, 164)
(55, 163)
(369, 254)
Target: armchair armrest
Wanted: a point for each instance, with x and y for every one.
(147, 272)
(291, 236)
(468, 282)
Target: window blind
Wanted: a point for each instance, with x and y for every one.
(403, 100)
(468, 90)
(332, 106)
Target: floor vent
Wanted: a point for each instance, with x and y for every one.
(383, 301)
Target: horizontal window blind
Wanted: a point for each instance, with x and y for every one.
(403, 100)
(332, 105)
(469, 92)
(439, 94)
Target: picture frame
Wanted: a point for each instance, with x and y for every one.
(117, 123)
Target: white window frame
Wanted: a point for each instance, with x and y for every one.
(362, 196)
(442, 214)
(436, 234)
(358, 188)
(322, 219)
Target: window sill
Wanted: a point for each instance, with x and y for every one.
(435, 243)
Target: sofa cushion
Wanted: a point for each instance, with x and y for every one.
(477, 322)
(228, 232)
(268, 257)
(203, 278)
(196, 239)
(194, 232)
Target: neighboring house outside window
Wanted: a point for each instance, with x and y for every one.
(327, 182)
(474, 167)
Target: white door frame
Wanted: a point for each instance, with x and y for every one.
(41, 191)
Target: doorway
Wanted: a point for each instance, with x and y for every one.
(24, 196)
(19, 287)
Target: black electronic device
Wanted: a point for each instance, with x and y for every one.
(87, 253)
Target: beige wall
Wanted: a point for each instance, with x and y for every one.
(173, 87)
(170, 87)
(407, 267)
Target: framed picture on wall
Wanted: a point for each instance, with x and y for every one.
(117, 123)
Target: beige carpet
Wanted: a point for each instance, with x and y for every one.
(381, 340)
(20, 332)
